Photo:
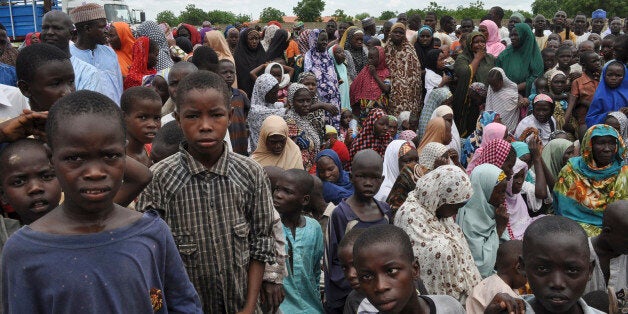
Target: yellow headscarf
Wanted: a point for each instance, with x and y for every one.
(290, 158)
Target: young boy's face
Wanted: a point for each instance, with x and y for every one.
(541, 85)
(227, 71)
(557, 271)
(614, 75)
(606, 49)
(160, 85)
(592, 64)
(29, 183)
(174, 77)
(88, 157)
(51, 81)
(559, 83)
(144, 120)
(564, 58)
(288, 196)
(386, 277)
(549, 60)
(367, 180)
(345, 255)
(204, 118)
(310, 83)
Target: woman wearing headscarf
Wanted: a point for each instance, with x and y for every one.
(472, 65)
(398, 153)
(304, 40)
(494, 44)
(434, 74)
(32, 38)
(588, 183)
(522, 60)
(447, 113)
(405, 70)
(336, 181)
(337, 55)
(144, 59)
(153, 31)
(302, 131)
(269, 150)
(278, 44)
(472, 143)
(608, 98)
(189, 31)
(318, 61)
(437, 98)
(232, 35)
(437, 241)
(483, 219)
(518, 206)
(121, 40)
(424, 43)
(269, 33)
(437, 130)
(353, 42)
(215, 40)
(366, 89)
(263, 104)
(374, 134)
(248, 55)
(503, 98)
(555, 156)
(621, 125)
(497, 152)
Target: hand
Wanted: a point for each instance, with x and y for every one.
(331, 109)
(501, 216)
(503, 302)
(479, 55)
(454, 157)
(27, 124)
(574, 75)
(372, 70)
(523, 102)
(446, 79)
(272, 295)
(340, 81)
(535, 147)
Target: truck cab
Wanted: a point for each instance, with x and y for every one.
(116, 10)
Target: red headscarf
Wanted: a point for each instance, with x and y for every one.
(29, 37)
(274, 23)
(139, 67)
(195, 35)
(364, 86)
(495, 153)
(367, 139)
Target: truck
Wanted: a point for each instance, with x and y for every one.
(21, 17)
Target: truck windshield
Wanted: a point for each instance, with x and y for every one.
(117, 13)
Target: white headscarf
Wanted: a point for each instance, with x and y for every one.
(260, 109)
(439, 244)
(285, 77)
(391, 169)
(505, 101)
(455, 135)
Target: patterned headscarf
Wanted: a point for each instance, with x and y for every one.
(302, 122)
(304, 40)
(367, 139)
(364, 86)
(623, 123)
(269, 33)
(407, 135)
(479, 88)
(139, 68)
(438, 243)
(495, 153)
(430, 153)
(151, 30)
(260, 109)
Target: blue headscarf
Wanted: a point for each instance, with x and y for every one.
(521, 148)
(607, 99)
(336, 191)
(229, 27)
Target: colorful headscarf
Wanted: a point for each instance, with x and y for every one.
(336, 191)
(364, 86)
(494, 44)
(195, 35)
(504, 101)
(215, 40)
(358, 55)
(125, 54)
(29, 37)
(583, 190)
(607, 99)
(434, 100)
(407, 135)
(269, 33)
(304, 40)
(495, 153)
(343, 74)
(477, 218)
(260, 109)
(288, 159)
(519, 219)
(153, 31)
(367, 139)
(473, 142)
(438, 243)
(521, 148)
(436, 131)
(405, 68)
(301, 128)
(623, 123)
(139, 68)
(524, 63)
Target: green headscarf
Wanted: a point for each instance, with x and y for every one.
(553, 154)
(524, 63)
(466, 117)
(519, 16)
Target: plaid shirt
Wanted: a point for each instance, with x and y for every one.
(220, 219)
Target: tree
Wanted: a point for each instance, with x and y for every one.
(167, 17)
(271, 14)
(546, 7)
(361, 16)
(193, 15)
(387, 15)
(243, 18)
(309, 10)
(418, 12)
(221, 17)
(474, 10)
(340, 16)
(549, 7)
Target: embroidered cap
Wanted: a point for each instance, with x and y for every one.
(87, 12)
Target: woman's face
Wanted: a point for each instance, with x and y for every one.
(569, 152)
(276, 72)
(450, 116)
(448, 210)
(381, 126)
(276, 144)
(153, 55)
(339, 55)
(559, 83)
(112, 36)
(514, 38)
(604, 149)
(183, 32)
(425, 38)
(302, 102)
(509, 163)
(232, 38)
(271, 96)
(484, 30)
(397, 35)
(542, 111)
(252, 40)
(517, 181)
(373, 57)
(410, 157)
(327, 169)
(35, 39)
(310, 83)
(321, 43)
(478, 44)
(392, 127)
(357, 41)
(440, 63)
(447, 137)
(498, 196)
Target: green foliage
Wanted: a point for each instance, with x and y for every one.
(411, 12)
(387, 15)
(474, 10)
(167, 17)
(361, 16)
(193, 15)
(545, 7)
(340, 16)
(572, 7)
(309, 10)
(271, 14)
(243, 18)
(221, 17)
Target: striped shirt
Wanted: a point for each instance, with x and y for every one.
(220, 219)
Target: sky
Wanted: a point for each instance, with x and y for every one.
(350, 7)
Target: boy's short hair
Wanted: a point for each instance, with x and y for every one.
(508, 253)
(11, 148)
(169, 134)
(205, 58)
(133, 94)
(544, 228)
(82, 103)
(34, 56)
(303, 178)
(545, 51)
(362, 157)
(350, 237)
(586, 55)
(202, 80)
(385, 234)
(563, 48)
(225, 61)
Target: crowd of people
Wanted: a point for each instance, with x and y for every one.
(266, 168)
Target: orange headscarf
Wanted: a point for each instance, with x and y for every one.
(436, 131)
(125, 54)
